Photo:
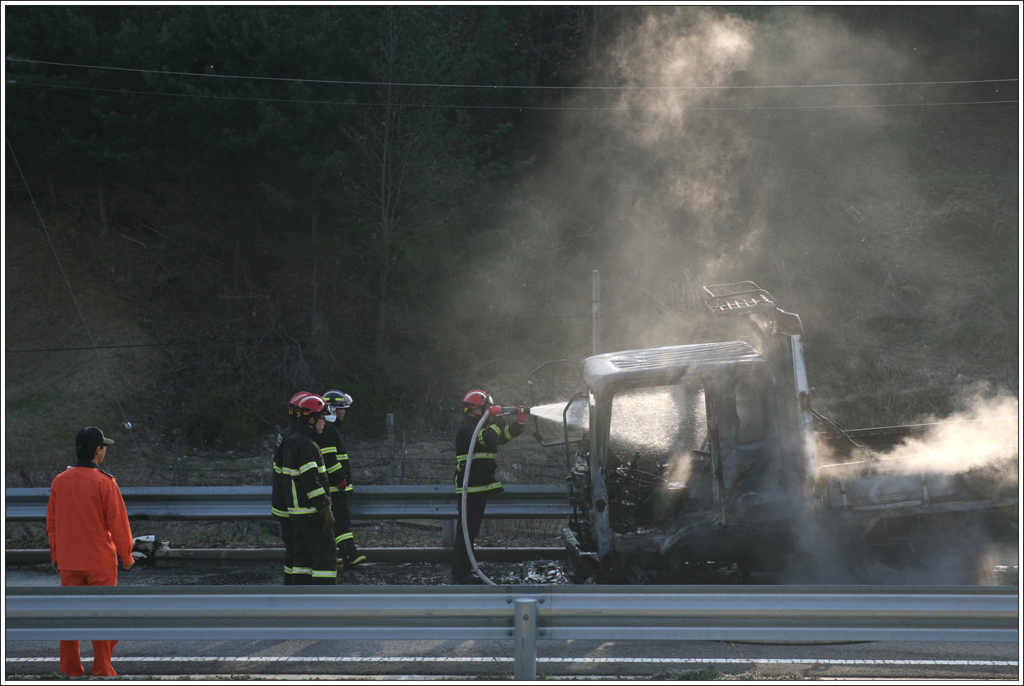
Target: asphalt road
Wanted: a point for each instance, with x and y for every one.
(469, 660)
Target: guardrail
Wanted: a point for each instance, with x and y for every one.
(212, 503)
(522, 613)
(177, 557)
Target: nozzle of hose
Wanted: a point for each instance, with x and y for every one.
(518, 410)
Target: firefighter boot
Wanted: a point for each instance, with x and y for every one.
(351, 555)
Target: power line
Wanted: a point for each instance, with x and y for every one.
(121, 91)
(507, 87)
(117, 347)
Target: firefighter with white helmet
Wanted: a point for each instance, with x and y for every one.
(339, 474)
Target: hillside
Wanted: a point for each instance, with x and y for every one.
(910, 311)
(237, 258)
(61, 383)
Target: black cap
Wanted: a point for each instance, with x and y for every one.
(90, 438)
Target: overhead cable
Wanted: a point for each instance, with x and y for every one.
(504, 86)
(122, 91)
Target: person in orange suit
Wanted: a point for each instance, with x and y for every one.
(87, 525)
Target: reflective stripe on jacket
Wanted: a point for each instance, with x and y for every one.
(332, 447)
(303, 467)
(482, 474)
(279, 481)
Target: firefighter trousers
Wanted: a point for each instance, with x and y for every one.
(316, 555)
(475, 505)
(343, 526)
(288, 538)
(70, 651)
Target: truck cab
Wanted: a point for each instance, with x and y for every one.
(698, 463)
(694, 453)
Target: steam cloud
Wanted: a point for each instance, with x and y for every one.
(986, 434)
(808, 191)
(703, 171)
(971, 453)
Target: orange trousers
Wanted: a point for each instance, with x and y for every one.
(70, 655)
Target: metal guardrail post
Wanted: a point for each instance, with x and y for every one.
(526, 639)
(448, 530)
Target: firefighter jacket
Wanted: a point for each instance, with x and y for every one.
(279, 481)
(482, 474)
(332, 447)
(307, 486)
(86, 520)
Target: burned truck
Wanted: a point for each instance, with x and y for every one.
(700, 463)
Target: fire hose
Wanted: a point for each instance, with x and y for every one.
(465, 493)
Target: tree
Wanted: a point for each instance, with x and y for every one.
(416, 158)
(260, 119)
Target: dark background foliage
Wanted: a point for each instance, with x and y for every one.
(406, 202)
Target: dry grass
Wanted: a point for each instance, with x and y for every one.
(51, 394)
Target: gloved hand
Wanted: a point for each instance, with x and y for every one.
(342, 485)
(328, 519)
(521, 414)
(494, 410)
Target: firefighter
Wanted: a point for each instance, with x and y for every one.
(309, 505)
(482, 479)
(339, 473)
(279, 489)
(87, 525)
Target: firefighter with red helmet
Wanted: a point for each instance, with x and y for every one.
(280, 488)
(307, 499)
(483, 480)
(339, 474)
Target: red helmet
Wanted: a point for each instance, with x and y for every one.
(293, 404)
(310, 404)
(475, 399)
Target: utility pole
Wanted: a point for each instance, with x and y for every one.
(595, 288)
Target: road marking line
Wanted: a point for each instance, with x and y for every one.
(602, 660)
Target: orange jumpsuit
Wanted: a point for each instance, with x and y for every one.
(87, 525)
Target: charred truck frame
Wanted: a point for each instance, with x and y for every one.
(698, 463)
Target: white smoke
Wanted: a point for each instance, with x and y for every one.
(986, 434)
(970, 455)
